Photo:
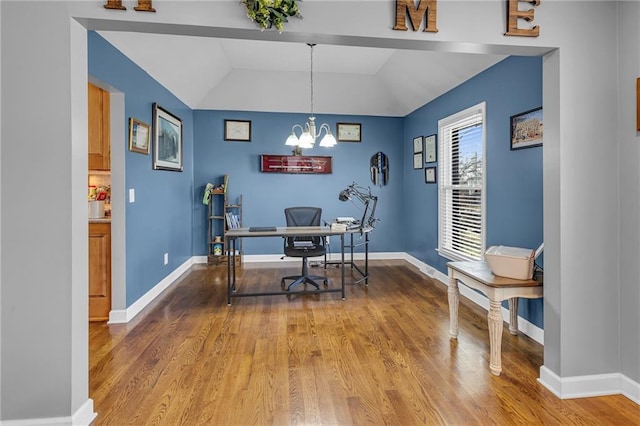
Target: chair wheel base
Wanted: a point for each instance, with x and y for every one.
(301, 279)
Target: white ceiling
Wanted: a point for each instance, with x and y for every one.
(272, 76)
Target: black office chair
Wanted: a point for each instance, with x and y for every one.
(304, 247)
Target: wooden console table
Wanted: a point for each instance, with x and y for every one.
(477, 275)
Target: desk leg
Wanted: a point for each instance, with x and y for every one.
(495, 336)
(366, 258)
(454, 297)
(229, 278)
(513, 315)
(342, 263)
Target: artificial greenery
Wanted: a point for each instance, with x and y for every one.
(271, 13)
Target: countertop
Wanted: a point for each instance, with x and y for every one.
(106, 219)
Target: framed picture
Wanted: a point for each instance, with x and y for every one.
(429, 175)
(417, 145)
(417, 160)
(526, 129)
(139, 136)
(297, 164)
(430, 150)
(167, 140)
(237, 130)
(349, 132)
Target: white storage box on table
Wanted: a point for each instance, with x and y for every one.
(510, 262)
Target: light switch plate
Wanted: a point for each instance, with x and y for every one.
(132, 195)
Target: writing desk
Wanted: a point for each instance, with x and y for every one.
(477, 275)
(364, 275)
(283, 232)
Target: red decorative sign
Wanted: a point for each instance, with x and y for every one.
(295, 164)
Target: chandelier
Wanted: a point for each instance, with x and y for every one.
(308, 134)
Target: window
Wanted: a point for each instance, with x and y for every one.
(461, 185)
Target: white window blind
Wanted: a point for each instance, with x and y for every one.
(461, 185)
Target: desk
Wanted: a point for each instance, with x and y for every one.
(364, 275)
(284, 232)
(477, 275)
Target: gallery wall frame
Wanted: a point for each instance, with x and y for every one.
(296, 164)
(349, 132)
(139, 136)
(237, 130)
(167, 140)
(526, 129)
(430, 149)
(430, 174)
(417, 160)
(417, 144)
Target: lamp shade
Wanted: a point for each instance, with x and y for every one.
(328, 141)
(292, 140)
(306, 140)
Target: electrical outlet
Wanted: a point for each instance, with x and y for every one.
(166, 258)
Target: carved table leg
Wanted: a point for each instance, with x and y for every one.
(495, 336)
(454, 296)
(513, 315)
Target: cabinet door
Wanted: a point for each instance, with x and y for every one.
(99, 137)
(99, 271)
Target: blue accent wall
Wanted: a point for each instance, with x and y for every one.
(266, 195)
(169, 216)
(160, 219)
(514, 178)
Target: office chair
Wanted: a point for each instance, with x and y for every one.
(304, 247)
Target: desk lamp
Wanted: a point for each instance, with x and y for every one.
(362, 194)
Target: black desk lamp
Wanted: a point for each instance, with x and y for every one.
(363, 195)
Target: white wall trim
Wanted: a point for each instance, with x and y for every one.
(124, 316)
(589, 386)
(82, 417)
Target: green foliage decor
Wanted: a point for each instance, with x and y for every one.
(271, 13)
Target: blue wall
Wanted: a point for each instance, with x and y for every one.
(514, 178)
(265, 195)
(169, 216)
(160, 219)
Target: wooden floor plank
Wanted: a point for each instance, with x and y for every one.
(382, 356)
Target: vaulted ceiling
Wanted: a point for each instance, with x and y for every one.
(273, 76)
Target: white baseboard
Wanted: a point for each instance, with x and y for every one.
(124, 316)
(82, 417)
(589, 386)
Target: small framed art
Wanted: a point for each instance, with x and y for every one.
(430, 149)
(138, 136)
(237, 130)
(167, 140)
(417, 144)
(526, 129)
(349, 132)
(417, 160)
(429, 175)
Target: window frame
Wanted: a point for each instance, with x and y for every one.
(445, 166)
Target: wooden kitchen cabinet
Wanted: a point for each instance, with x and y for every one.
(99, 134)
(99, 271)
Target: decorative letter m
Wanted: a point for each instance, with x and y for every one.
(416, 15)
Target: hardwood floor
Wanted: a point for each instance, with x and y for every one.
(382, 356)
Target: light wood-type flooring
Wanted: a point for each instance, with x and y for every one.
(381, 357)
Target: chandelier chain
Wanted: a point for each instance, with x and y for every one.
(311, 72)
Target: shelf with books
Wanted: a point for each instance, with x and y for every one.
(222, 217)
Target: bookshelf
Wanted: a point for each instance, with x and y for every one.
(223, 215)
